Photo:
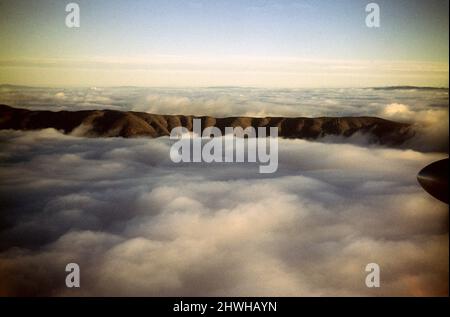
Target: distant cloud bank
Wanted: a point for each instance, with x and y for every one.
(200, 71)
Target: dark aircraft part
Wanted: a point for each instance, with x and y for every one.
(434, 179)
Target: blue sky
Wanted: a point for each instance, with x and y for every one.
(177, 43)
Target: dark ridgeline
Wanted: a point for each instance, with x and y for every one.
(127, 124)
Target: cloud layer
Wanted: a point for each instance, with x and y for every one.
(206, 70)
(226, 101)
(139, 224)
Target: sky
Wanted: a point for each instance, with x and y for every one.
(291, 43)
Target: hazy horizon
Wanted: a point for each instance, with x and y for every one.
(224, 86)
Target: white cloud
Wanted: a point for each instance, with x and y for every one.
(431, 125)
(139, 224)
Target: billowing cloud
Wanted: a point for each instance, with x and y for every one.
(431, 125)
(138, 224)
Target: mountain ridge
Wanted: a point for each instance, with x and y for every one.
(128, 124)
